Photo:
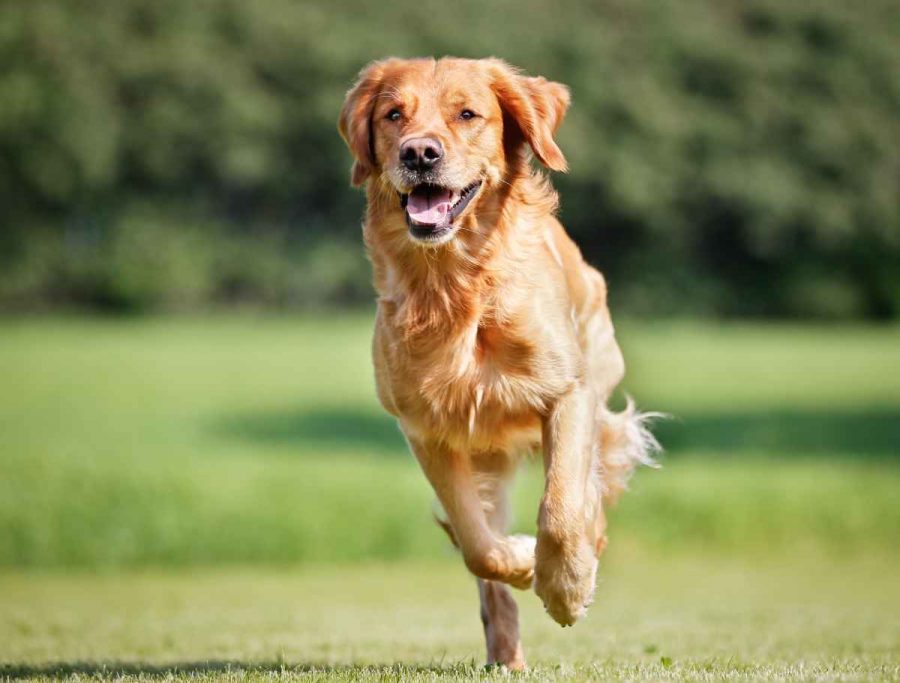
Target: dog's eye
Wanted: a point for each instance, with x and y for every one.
(393, 115)
(467, 114)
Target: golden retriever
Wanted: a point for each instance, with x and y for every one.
(492, 336)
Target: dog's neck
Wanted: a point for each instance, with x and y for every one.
(447, 288)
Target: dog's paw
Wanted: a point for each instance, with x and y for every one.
(523, 549)
(510, 560)
(565, 577)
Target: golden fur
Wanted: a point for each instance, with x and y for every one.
(497, 340)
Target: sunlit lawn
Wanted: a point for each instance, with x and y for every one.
(678, 617)
(249, 505)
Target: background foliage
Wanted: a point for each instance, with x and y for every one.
(727, 157)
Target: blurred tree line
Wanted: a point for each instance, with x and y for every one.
(728, 158)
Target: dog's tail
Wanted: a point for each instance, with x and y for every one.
(625, 442)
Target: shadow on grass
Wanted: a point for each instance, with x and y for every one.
(323, 429)
(782, 433)
(215, 668)
(871, 433)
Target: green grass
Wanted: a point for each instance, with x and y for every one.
(258, 440)
(679, 619)
(222, 498)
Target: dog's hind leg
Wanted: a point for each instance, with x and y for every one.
(499, 613)
(500, 617)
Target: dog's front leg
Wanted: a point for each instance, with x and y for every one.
(488, 555)
(566, 567)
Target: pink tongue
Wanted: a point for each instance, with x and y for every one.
(428, 205)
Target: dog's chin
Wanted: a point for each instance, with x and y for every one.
(434, 212)
(431, 235)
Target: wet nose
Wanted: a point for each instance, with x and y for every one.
(421, 154)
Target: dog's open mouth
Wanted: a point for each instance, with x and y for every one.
(431, 209)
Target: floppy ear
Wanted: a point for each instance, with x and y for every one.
(355, 123)
(537, 106)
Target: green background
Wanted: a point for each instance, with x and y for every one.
(727, 158)
(249, 440)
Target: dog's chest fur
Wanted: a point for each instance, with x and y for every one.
(479, 386)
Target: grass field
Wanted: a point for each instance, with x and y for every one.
(681, 619)
(225, 491)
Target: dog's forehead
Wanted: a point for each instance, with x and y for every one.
(445, 79)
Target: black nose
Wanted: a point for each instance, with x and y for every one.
(421, 154)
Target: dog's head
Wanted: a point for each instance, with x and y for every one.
(443, 133)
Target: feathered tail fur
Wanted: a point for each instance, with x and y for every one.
(625, 442)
